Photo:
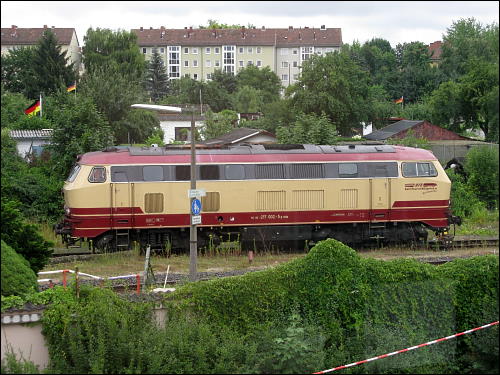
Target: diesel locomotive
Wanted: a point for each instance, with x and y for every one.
(259, 194)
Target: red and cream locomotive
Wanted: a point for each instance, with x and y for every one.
(257, 193)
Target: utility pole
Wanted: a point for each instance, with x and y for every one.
(193, 235)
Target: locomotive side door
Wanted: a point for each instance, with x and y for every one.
(121, 205)
(379, 199)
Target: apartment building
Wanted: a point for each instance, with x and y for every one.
(16, 37)
(197, 53)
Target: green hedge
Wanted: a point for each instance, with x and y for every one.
(327, 309)
(17, 277)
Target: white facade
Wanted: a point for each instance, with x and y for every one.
(170, 127)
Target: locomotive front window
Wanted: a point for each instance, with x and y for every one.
(74, 173)
(97, 174)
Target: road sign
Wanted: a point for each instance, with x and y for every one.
(196, 193)
(195, 219)
(196, 206)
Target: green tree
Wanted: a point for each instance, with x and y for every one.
(224, 80)
(309, 129)
(262, 79)
(157, 82)
(113, 94)
(18, 73)
(17, 276)
(466, 41)
(447, 106)
(50, 65)
(118, 50)
(137, 126)
(247, 99)
(336, 86)
(24, 238)
(78, 128)
(217, 124)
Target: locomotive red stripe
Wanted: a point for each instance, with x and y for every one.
(433, 203)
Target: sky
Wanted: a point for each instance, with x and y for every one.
(395, 21)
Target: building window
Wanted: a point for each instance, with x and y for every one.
(181, 134)
(195, 76)
(259, 50)
(217, 50)
(241, 63)
(195, 63)
(284, 64)
(241, 49)
(328, 50)
(228, 62)
(259, 63)
(217, 63)
(295, 64)
(295, 51)
(174, 65)
(186, 64)
(249, 62)
(194, 50)
(208, 63)
(209, 76)
(284, 51)
(306, 52)
(250, 50)
(162, 50)
(144, 50)
(207, 51)
(187, 75)
(186, 50)
(284, 77)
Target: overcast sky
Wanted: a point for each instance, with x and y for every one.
(395, 21)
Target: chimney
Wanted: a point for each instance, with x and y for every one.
(14, 27)
(142, 28)
(150, 28)
(290, 27)
(263, 27)
(323, 27)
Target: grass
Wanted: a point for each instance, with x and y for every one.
(129, 262)
(481, 223)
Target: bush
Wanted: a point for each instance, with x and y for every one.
(464, 202)
(481, 165)
(23, 237)
(17, 276)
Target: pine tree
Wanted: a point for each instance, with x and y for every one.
(51, 66)
(157, 82)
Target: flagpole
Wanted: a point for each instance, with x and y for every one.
(41, 105)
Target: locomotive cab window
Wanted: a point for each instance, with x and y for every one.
(74, 173)
(418, 170)
(97, 175)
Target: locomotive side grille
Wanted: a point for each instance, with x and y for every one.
(269, 171)
(153, 202)
(211, 201)
(308, 199)
(306, 171)
(271, 200)
(348, 198)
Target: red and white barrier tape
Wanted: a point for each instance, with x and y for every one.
(407, 349)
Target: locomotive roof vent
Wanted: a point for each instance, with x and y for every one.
(274, 146)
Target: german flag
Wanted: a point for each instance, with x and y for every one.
(33, 109)
(71, 88)
(398, 101)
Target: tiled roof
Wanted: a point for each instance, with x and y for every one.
(31, 134)
(436, 50)
(392, 129)
(240, 37)
(29, 36)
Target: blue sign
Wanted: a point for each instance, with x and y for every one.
(196, 206)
